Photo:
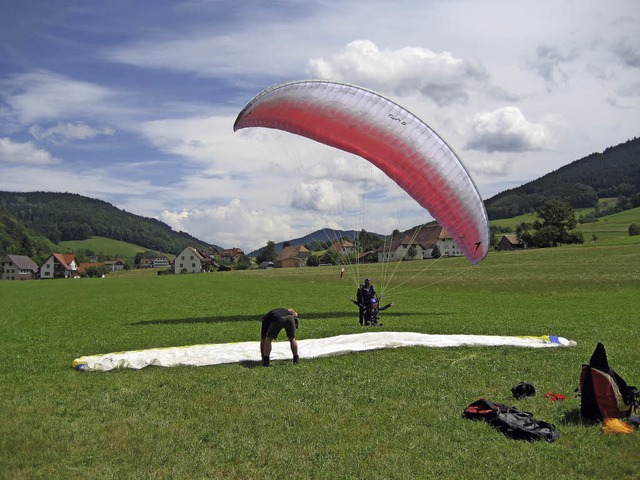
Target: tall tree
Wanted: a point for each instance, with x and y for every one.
(558, 214)
(268, 254)
(558, 221)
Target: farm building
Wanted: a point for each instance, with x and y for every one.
(510, 241)
(292, 256)
(17, 267)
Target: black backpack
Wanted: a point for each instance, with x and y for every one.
(510, 421)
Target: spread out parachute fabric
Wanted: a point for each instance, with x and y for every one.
(375, 128)
(216, 354)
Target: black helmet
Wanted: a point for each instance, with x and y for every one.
(523, 389)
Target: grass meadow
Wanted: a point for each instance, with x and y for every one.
(386, 414)
(108, 246)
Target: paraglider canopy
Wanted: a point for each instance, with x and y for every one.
(373, 127)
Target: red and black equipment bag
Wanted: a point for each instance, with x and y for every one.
(604, 394)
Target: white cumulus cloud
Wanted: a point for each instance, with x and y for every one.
(232, 224)
(42, 95)
(439, 76)
(507, 130)
(24, 153)
(63, 132)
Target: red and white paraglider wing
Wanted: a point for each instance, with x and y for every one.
(373, 127)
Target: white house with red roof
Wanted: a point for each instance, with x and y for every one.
(59, 265)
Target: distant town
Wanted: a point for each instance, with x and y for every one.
(416, 244)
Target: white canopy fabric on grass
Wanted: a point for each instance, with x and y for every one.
(216, 354)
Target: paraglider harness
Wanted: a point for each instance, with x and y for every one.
(510, 421)
(371, 311)
(603, 393)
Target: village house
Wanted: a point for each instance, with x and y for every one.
(231, 254)
(510, 241)
(292, 256)
(59, 265)
(191, 260)
(157, 262)
(417, 244)
(17, 267)
(114, 265)
(344, 247)
(368, 257)
(447, 246)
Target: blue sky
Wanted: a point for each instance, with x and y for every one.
(134, 102)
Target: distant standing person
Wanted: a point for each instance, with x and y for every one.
(366, 291)
(272, 323)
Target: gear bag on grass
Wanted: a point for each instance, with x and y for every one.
(603, 393)
(510, 421)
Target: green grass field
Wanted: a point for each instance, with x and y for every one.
(106, 246)
(608, 230)
(387, 414)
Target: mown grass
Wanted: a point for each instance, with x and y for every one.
(383, 414)
(608, 230)
(106, 246)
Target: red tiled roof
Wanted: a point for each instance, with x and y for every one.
(64, 259)
(232, 251)
(84, 265)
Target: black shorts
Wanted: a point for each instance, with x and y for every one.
(272, 329)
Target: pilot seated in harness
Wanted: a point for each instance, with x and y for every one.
(372, 311)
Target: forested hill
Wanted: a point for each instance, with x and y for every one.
(16, 238)
(613, 173)
(68, 216)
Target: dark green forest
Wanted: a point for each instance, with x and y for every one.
(613, 173)
(55, 217)
(17, 239)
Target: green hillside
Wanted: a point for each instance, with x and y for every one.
(613, 173)
(105, 246)
(612, 229)
(63, 217)
(609, 230)
(17, 239)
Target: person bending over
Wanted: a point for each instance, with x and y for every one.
(272, 323)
